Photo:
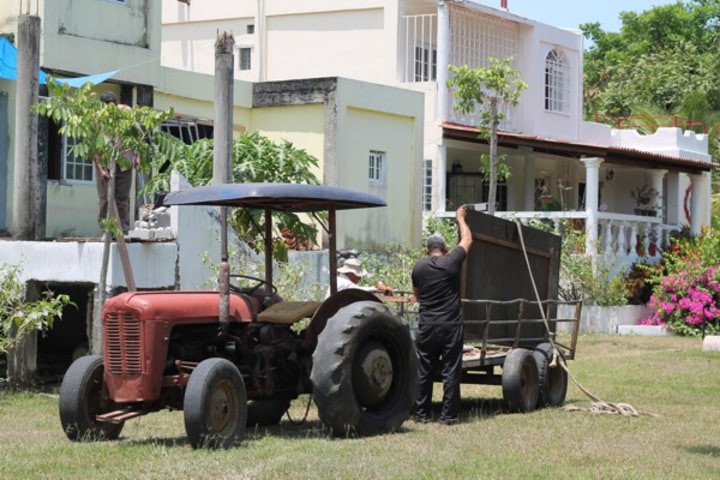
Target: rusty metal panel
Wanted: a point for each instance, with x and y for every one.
(496, 269)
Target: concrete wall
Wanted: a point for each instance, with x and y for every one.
(289, 37)
(90, 36)
(79, 262)
(5, 190)
(193, 95)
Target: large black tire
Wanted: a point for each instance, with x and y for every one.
(83, 396)
(215, 405)
(261, 413)
(364, 372)
(553, 381)
(520, 383)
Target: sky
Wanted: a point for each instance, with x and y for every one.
(571, 13)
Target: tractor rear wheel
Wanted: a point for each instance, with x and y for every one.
(215, 405)
(364, 372)
(83, 396)
(520, 383)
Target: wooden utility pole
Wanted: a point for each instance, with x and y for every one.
(29, 189)
(223, 128)
(222, 156)
(29, 185)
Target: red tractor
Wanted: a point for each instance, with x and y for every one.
(232, 358)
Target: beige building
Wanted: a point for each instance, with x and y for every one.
(367, 137)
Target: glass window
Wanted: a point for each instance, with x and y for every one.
(376, 167)
(425, 64)
(427, 186)
(557, 82)
(75, 169)
(245, 58)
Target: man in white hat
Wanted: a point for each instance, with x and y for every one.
(349, 275)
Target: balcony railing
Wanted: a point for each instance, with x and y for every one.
(620, 235)
(420, 33)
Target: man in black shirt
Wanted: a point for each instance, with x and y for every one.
(436, 285)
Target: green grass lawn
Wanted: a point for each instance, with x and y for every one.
(667, 376)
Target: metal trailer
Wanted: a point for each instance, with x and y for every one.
(510, 330)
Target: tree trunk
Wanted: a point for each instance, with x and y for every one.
(107, 233)
(492, 171)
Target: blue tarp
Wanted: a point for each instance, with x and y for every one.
(8, 68)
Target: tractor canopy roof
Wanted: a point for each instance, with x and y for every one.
(289, 197)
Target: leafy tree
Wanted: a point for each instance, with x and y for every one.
(664, 58)
(659, 70)
(103, 131)
(96, 126)
(491, 89)
(255, 159)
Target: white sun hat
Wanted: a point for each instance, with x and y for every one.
(353, 265)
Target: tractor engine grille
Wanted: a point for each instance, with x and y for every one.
(122, 341)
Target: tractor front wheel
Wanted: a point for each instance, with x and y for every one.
(83, 396)
(215, 405)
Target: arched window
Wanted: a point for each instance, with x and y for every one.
(557, 82)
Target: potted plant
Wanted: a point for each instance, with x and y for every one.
(645, 198)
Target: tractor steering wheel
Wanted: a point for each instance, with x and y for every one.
(251, 290)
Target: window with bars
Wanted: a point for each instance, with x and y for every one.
(245, 58)
(465, 188)
(427, 186)
(557, 82)
(425, 64)
(376, 167)
(189, 131)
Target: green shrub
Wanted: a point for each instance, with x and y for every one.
(19, 317)
(583, 278)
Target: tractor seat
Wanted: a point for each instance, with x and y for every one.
(285, 313)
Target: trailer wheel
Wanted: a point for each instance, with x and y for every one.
(520, 383)
(266, 412)
(553, 380)
(83, 396)
(215, 405)
(364, 372)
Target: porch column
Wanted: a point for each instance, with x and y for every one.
(592, 190)
(656, 179)
(696, 203)
(443, 61)
(529, 183)
(440, 178)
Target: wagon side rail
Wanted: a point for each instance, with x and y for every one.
(517, 339)
(408, 308)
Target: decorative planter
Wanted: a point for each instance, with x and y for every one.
(655, 330)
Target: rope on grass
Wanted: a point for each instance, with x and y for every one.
(598, 405)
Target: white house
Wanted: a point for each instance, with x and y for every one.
(587, 170)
